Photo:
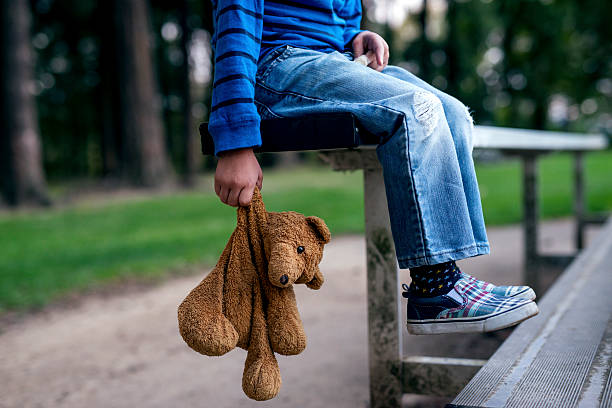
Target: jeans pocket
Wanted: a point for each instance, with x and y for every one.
(271, 60)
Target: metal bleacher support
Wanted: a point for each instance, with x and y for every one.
(345, 146)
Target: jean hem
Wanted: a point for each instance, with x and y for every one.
(444, 256)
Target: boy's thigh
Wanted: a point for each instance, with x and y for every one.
(300, 82)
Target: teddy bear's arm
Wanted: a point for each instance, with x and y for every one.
(287, 336)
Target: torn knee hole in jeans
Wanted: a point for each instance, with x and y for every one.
(427, 110)
(470, 118)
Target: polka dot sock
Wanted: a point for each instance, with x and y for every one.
(433, 280)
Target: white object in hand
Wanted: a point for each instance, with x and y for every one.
(363, 60)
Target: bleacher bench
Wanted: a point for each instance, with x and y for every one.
(563, 356)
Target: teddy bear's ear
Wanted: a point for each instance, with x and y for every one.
(319, 226)
(317, 280)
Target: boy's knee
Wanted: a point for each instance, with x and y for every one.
(427, 111)
(457, 110)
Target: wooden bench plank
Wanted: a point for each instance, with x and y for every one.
(501, 138)
(562, 357)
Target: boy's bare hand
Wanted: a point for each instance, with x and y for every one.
(237, 174)
(374, 46)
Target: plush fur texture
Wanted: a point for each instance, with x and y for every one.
(248, 301)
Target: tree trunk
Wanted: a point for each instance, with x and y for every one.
(425, 52)
(191, 152)
(21, 170)
(145, 159)
(110, 142)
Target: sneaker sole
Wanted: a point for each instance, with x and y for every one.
(479, 324)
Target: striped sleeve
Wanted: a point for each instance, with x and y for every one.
(351, 13)
(234, 121)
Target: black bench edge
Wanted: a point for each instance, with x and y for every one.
(326, 131)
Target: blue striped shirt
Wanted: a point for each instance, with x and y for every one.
(246, 30)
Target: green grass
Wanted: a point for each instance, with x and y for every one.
(501, 187)
(46, 254)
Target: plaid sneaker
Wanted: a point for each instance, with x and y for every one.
(521, 292)
(467, 308)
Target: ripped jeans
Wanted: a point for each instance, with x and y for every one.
(425, 144)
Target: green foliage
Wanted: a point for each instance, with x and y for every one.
(544, 64)
(44, 255)
(518, 63)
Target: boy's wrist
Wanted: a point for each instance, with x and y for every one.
(236, 152)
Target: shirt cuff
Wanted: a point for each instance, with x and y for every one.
(349, 36)
(231, 136)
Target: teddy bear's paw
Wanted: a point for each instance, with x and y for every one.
(288, 339)
(214, 337)
(261, 380)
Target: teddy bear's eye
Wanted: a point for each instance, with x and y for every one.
(300, 249)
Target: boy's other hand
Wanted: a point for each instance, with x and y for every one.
(237, 174)
(374, 46)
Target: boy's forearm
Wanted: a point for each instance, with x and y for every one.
(234, 121)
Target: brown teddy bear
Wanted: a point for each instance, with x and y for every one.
(247, 300)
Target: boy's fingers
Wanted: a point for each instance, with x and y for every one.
(260, 181)
(245, 196)
(358, 46)
(386, 56)
(223, 193)
(380, 53)
(232, 198)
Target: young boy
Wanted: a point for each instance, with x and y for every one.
(295, 58)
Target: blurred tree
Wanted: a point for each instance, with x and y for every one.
(191, 152)
(110, 142)
(21, 172)
(145, 161)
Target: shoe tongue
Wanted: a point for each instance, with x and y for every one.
(453, 294)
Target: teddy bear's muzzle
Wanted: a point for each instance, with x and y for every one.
(283, 268)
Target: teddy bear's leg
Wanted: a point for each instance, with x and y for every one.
(287, 336)
(200, 316)
(261, 379)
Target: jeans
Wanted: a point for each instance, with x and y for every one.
(425, 144)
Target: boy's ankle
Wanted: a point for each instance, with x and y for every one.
(433, 280)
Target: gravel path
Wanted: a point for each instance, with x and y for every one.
(125, 350)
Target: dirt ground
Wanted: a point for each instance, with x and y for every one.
(125, 350)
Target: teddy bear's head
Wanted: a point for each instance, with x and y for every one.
(295, 248)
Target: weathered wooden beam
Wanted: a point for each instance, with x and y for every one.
(384, 329)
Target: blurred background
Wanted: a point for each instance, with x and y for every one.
(101, 101)
(104, 189)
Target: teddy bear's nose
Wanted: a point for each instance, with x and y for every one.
(284, 279)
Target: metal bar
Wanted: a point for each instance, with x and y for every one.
(579, 199)
(597, 219)
(555, 260)
(384, 330)
(530, 220)
(441, 376)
